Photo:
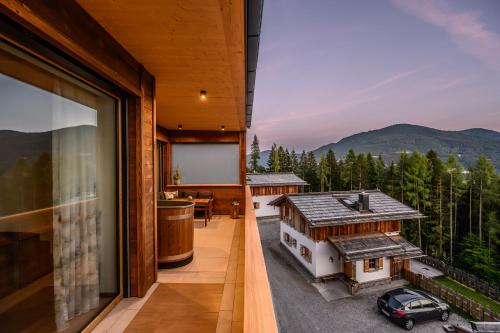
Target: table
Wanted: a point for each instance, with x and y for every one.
(204, 205)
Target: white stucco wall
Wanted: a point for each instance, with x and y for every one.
(321, 252)
(362, 276)
(325, 250)
(265, 209)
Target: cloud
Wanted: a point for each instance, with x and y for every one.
(451, 84)
(464, 27)
(389, 80)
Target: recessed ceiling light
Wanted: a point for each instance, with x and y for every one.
(203, 95)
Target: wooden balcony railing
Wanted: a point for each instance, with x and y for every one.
(259, 311)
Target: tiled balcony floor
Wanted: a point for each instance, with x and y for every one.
(203, 296)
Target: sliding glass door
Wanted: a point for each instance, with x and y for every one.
(59, 234)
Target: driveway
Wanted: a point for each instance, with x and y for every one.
(300, 307)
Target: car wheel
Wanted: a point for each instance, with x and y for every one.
(445, 316)
(409, 323)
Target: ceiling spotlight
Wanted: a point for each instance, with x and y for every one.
(203, 95)
(179, 127)
(222, 128)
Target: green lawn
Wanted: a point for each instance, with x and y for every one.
(469, 293)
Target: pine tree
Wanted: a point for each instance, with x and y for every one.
(287, 162)
(455, 179)
(361, 174)
(334, 171)
(303, 165)
(273, 163)
(402, 164)
(295, 162)
(323, 173)
(281, 158)
(311, 172)
(349, 169)
(435, 216)
(371, 172)
(416, 179)
(390, 180)
(254, 154)
(483, 171)
(380, 171)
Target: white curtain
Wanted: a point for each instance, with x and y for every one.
(75, 222)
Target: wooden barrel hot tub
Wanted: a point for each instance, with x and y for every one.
(175, 233)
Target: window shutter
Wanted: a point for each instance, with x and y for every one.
(366, 267)
(381, 263)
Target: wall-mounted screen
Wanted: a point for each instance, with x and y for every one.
(207, 163)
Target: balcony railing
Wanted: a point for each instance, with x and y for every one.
(259, 310)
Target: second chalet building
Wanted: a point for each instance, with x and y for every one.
(351, 233)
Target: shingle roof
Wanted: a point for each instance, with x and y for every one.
(274, 179)
(326, 208)
(374, 245)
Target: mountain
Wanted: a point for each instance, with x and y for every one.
(29, 146)
(390, 141)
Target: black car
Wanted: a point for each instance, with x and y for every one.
(407, 306)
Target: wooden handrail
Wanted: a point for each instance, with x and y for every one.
(259, 314)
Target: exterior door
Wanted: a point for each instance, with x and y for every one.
(396, 269)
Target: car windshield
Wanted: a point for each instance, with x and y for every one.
(392, 302)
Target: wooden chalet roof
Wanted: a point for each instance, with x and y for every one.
(274, 179)
(329, 208)
(374, 245)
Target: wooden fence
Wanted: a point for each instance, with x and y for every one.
(475, 310)
(471, 281)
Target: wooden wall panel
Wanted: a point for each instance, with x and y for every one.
(142, 197)
(68, 27)
(224, 194)
(322, 233)
(273, 190)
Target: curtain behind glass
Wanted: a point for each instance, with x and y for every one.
(65, 135)
(76, 271)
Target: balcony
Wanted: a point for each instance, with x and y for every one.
(224, 289)
(143, 66)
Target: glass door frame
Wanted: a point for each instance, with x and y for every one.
(18, 37)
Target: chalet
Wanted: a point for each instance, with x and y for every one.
(266, 187)
(354, 234)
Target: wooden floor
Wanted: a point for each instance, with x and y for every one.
(206, 295)
(180, 308)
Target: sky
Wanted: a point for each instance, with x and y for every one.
(19, 99)
(331, 68)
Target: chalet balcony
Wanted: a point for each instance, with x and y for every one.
(124, 98)
(224, 288)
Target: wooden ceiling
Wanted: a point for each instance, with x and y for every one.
(188, 45)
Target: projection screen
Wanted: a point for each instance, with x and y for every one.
(207, 163)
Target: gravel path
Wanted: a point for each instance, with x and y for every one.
(300, 307)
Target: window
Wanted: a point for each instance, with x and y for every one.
(427, 304)
(306, 253)
(290, 241)
(302, 226)
(58, 197)
(373, 264)
(286, 237)
(415, 305)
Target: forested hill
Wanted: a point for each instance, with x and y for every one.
(391, 141)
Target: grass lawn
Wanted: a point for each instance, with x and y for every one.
(469, 293)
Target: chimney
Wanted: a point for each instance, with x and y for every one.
(364, 202)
